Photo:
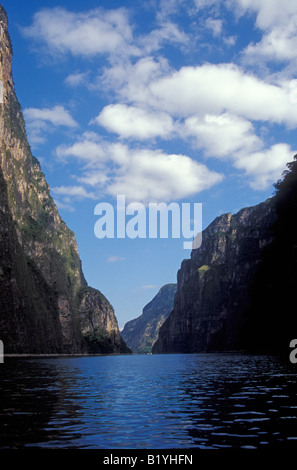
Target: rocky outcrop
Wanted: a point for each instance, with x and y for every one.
(45, 301)
(214, 286)
(98, 326)
(141, 333)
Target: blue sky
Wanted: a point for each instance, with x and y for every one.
(187, 101)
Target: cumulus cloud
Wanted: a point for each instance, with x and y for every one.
(167, 32)
(148, 176)
(143, 175)
(201, 90)
(216, 108)
(222, 135)
(278, 44)
(268, 12)
(265, 167)
(278, 21)
(131, 81)
(58, 116)
(73, 191)
(42, 120)
(88, 149)
(86, 34)
(215, 88)
(77, 78)
(131, 121)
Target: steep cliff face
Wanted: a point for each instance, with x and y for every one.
(141, 333)
(214, 285)
(43, 290)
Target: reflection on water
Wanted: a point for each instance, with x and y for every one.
(151, 402)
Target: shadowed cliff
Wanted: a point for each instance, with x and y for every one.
(46, 305)
(214, 285)
(237, 291)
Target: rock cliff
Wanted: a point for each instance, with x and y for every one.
(214, 286)
(141, 333)
(46, 305)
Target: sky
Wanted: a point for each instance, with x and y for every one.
(161, 101)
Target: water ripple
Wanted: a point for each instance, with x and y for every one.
(162, 401)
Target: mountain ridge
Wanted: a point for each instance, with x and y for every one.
(141, 333)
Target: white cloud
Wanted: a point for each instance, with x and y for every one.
(132, 81)
(65, 205)
(142, 175)
(131, 121)
(96, 177)
(214, 89)
(115, 259)
(215, 107)
(278, 21)
(58, 116)
(148, 176)
(77, 78)
(269, 13)
(200, 90)
(73, 191)
(204, 3)
(88, 33)
(231, 137)
(167, 32)
(279, 44)
(222, 135)
(40, 121)
(215, 25)
(89, 150)
(265, 167)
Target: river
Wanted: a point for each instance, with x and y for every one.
(176, 401)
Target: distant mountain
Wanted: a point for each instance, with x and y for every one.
(141, 333)
(46, 305)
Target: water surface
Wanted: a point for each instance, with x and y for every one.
(149, 402)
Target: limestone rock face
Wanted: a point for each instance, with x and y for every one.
(141, 333)
(41, 279)
(213, 289)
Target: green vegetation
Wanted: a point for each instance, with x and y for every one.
(203, 269)
(98, 342)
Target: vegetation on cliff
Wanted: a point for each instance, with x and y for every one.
(45, 301)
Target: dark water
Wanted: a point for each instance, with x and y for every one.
(149, 402)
